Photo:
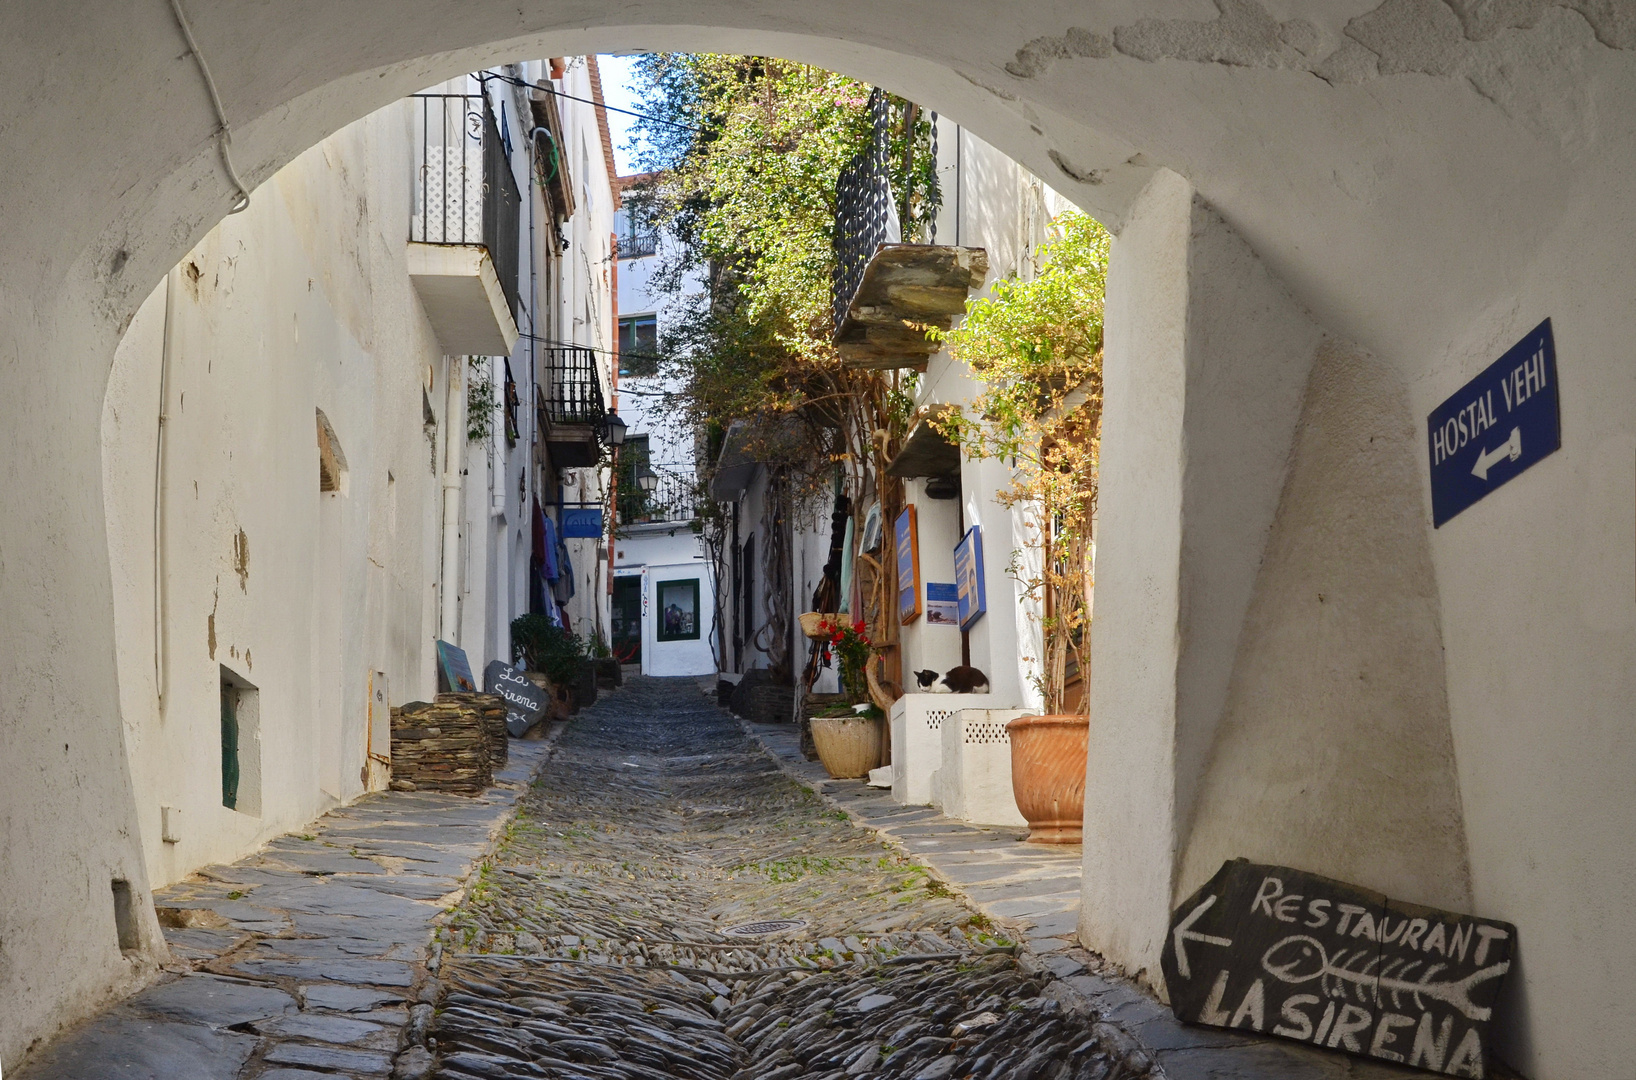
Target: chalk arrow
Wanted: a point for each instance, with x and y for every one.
(1184, 933)
(1510, 448)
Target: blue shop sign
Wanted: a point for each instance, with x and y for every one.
(1497, 425)
(582, 523)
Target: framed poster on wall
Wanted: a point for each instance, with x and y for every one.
(942, 604)
(907, 534)
(968, 577)
(678, 610)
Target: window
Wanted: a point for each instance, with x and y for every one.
(126, 927)
(678, 610)
(241, 745)
(637, 239)
(639, 345)
(332, 463)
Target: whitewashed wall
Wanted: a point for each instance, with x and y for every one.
(298, 304)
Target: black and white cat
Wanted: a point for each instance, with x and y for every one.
(964, 679)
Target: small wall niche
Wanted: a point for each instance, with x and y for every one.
(126, 924)
(241, 744)
(332, 463)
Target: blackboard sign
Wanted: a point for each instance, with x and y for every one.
(454, 670)
(1496, 426)
(1282, 952)
(525, 701)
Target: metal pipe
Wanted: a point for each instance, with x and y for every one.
(161, 656)
(454, 440)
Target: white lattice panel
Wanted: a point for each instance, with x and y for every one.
(448, 196)
(918, 723)
(974, 781)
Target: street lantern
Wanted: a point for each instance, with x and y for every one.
(615, 428)
(646, 479)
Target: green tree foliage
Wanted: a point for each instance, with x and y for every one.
(745, 153)
(1036, 346)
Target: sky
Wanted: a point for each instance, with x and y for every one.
(616, 91)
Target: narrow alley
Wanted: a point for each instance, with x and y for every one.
(668, 903)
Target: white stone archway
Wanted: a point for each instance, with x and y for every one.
(1392, 192)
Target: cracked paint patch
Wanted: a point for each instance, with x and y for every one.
(1397, 37)
(1245, 35)
(1036, 57)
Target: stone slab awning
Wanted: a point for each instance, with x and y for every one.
(926, 451)
(907, 288)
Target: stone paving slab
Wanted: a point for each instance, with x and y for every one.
(1034, 889)
(296, 962)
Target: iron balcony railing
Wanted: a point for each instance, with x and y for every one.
(864, 217)
(638, 245)
(675, 498)
(571, 387)
(464, 191)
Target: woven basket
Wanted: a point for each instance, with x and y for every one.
(812, 620)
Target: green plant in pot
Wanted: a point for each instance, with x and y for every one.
(850, 737)
(1036, 347)
(538, 644)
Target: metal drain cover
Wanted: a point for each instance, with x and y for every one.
(764, 928)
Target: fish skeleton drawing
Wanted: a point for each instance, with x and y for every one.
(1299, 959)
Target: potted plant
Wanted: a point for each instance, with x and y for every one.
(849, 735)
(538, 644)
(1036, 347)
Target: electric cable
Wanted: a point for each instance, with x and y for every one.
(484, 76)
(224, 134)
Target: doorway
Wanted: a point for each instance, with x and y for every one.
(626, 617)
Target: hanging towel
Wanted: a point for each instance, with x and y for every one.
(552, 568)
(564, 585)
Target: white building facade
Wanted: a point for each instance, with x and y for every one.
(321, 452)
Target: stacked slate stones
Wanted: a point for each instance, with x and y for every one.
(451, 745)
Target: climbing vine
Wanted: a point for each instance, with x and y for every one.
(1036, 349)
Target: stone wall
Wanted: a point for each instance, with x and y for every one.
(450, 745)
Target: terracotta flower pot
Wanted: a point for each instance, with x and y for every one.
(1048, 775)
(849, 746)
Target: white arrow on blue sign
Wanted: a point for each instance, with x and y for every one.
(1496, 426)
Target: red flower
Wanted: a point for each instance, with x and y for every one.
(857, 627)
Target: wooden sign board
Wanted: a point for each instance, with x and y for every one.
(906, 532)
(1281, 952)
(454, 670)
(525, 701)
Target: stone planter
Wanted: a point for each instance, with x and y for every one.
(560, 703)
(584, 686)
(1048, 775)
(609, 675)
(849, 746)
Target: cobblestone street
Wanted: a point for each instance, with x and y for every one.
(666, 899)
(668, 903)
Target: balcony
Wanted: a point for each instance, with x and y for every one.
(573, 413)
(673, 499)
(463, 225)
(638, 245)
(906, 288)
(886, 294)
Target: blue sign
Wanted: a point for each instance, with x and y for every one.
(1499, 424)
(582, 523)
(972, 592)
